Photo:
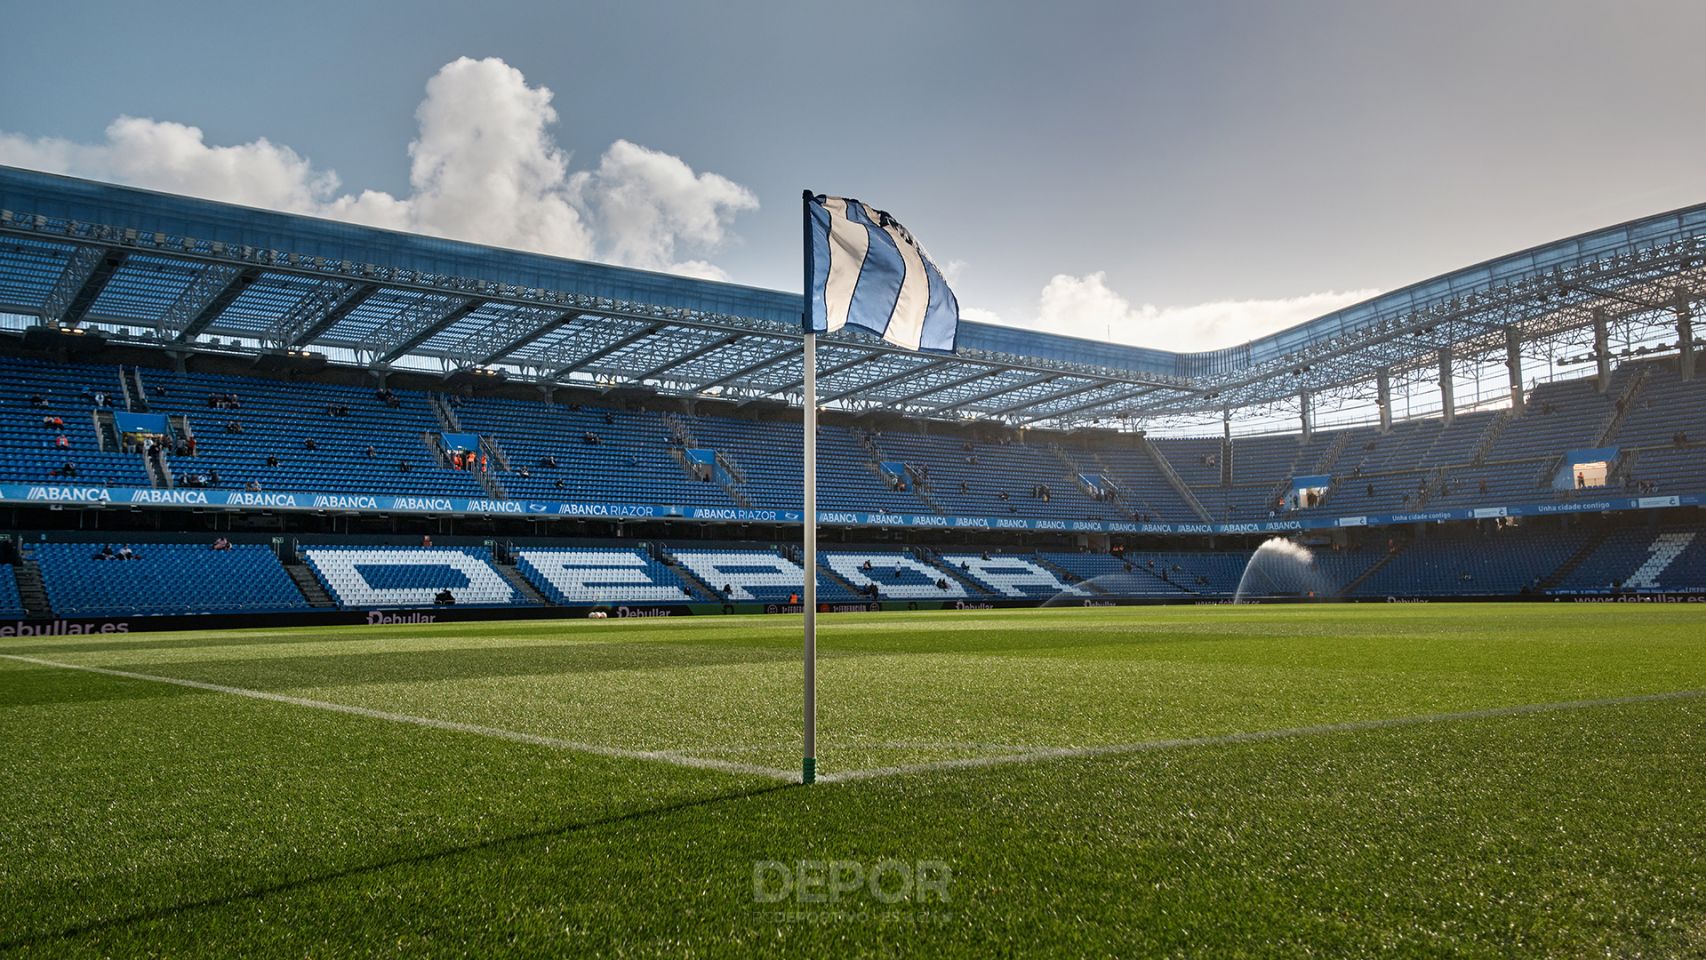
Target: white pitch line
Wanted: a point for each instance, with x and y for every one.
(1353, 726)
(661, 756)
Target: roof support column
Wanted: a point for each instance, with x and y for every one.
(1226, 424)
(1447, 388)
(1601, 350)
(1305, 415)
(1383, 398)
(1513, 364)
(1684, 335)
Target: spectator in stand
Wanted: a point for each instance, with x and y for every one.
(62, 442)
(426, 540)
(371, 453)
(403, 466)
(272, 459)
(253, 486)
(233, 426)
(220, 543)
(558, 483)
(38, 401)
(105, 553)
(53, 422)
(125, 553)
(310, 444)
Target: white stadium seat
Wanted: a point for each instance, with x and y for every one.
(340, 570)
(600, 576)
(850, 567)
(1011, 575)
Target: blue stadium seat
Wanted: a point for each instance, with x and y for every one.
(166, 578)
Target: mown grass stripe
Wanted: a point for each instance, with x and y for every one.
(1257, 736)
(515, 736)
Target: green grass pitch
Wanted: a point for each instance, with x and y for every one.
(1424, 780)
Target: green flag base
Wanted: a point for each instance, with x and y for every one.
(808, 770)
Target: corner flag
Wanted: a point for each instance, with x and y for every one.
(863, 268)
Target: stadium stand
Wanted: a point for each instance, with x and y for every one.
(893, 575)
(1470, 562)
(11, 604)
(756, 575)
(1116, 576)
(1666, 559)
(567, 451)
(1010, 576)
(231, 431)
(164, 579)
(368, 577)
(42, 401)
(593, 575)
(360, 442)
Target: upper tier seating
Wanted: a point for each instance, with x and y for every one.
(278, 420)
(68, 392)
(602, 455)
(546, 451)
(377, 577)
(968, 478)
(165, 578)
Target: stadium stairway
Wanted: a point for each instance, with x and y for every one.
(824, 571)
(974, 588)
(1575, 560)
(31, 592)
(1066, 576)
(510, 572)
(1178, 482)
(701, 590)
(1624, 404)
(312, 590)
(1349, 589)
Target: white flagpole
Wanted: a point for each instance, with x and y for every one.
(808, 772)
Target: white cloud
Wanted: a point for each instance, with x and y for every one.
(484, 168)
(646, 202)
(1087, 307)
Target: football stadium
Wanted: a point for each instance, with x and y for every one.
(367, 592)
(320, 534)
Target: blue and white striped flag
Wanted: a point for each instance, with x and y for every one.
(864, 268)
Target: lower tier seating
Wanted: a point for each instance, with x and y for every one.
(364, 577)
(11, 605)
(164, 578)
(591, 575)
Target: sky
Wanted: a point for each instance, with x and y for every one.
(1183, 175)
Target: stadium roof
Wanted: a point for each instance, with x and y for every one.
(194, 275)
